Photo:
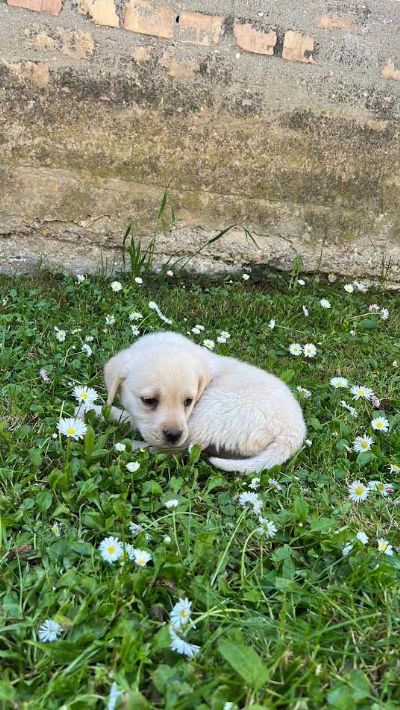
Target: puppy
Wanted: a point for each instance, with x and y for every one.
(177, 393)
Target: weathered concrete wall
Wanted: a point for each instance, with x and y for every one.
(283, 117)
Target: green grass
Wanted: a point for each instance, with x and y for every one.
(286, 622)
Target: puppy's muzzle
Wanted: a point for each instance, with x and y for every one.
(172, 436)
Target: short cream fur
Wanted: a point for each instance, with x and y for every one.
(177, 393)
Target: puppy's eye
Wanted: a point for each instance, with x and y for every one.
(150, 402)
(188, 402)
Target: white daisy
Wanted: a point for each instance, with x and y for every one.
(85, 395)
(73, 428)
(362, 537)
(380, 424)
(89, 339)
(301, 282)
(221, 339)
(87, 349)
(362, 443)
(80, 278)
(361, 392)
(60, 334)
(196, 330)
(361, 286)
(170, 273)
(115, 694)
(304, 392)
(384, 313)
(181, 646)
(384, 546)
(49, 631)
(308, 442)
(373, 308)
(338, 382)
(44, 375)
(135, 315)
(138, 280)
(309, 350)
(380, 487)
(295, 349)
(347, 549)
(154, 307)
(394, 468)
(141, 557)
(133, 466)
(119, 447)
(135, 331)
(325, 303)
(116, 286)
(252, 499)
(305, 311)
(110, 319)
(349, 288)
(245, 277)
(358, 492)
(349, 408)
(111, 549)
(267, 528)
(199, 326)
(254, 483)
(171, 503)
(209, 344)
(272, 323)
(135, 529)
(180, 613)
(130, 551)
(275, 484)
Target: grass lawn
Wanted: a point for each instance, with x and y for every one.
(305, 617)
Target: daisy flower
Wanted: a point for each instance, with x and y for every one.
(85, 395)
(350, 409)
(199, 326)
(196, 330)
(358, 492)
(380, 487)
(154, 307)
(180, 613)
(181, 646)
(110, 549)
(87, 349)
(116, 286)
(361, 392)
(135, 529)
(138, 280)
(245, 277)
(55, 529)
(135, 331)
(221, 339)
(384, 546)
(267, 528)
(167, 540)
(130, 551)
(394, 468)
(295, 349)
(252, 499)
(49, 631)
(171, 503)
(380, 424)
(304, 392)
(309, 350)
(80, 278)
(360, 286)
(73, 428)
(301, 282)
(44, 375)
(135, 315)
(225, 334)
(272, 323)
(305, 311)
(141, 557)
(349, 288)
(362, 537)
(110, 319)
(308, 442)
(119, 447)
(170, 273)
(113, 698)
(362, 443)
(325, 303)
(133, 466)
(373, 308)
(275, 484)
(338, 382)
(254, 483)
(209, 344)
(347, 549)
(60, 334)
(384, 313)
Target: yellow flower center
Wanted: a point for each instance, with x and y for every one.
(84, 395)
(359, 490)
(111, 549)
(379, 425)
(382, 546)
(71, 431)
(183, 614)
(364, 445)
(140, 561)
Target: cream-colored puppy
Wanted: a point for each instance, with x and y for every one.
(177, 393)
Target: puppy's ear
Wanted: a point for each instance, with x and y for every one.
(114, 375)
(205, 378)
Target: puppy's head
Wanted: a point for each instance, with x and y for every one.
(159, 380)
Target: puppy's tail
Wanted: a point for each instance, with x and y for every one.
(276, 453)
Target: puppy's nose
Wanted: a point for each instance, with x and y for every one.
(172, 435)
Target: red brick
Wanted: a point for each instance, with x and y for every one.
(295, 47)
(251, 40)
(150, 19)
(54, 7)
(336, 22)
(103, 12)
(196, 28)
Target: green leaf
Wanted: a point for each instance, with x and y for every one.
(89, 442)
(246, 662)
(365, 457)
(44, 500)
(35, 457)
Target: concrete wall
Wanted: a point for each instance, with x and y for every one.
(280, 116)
